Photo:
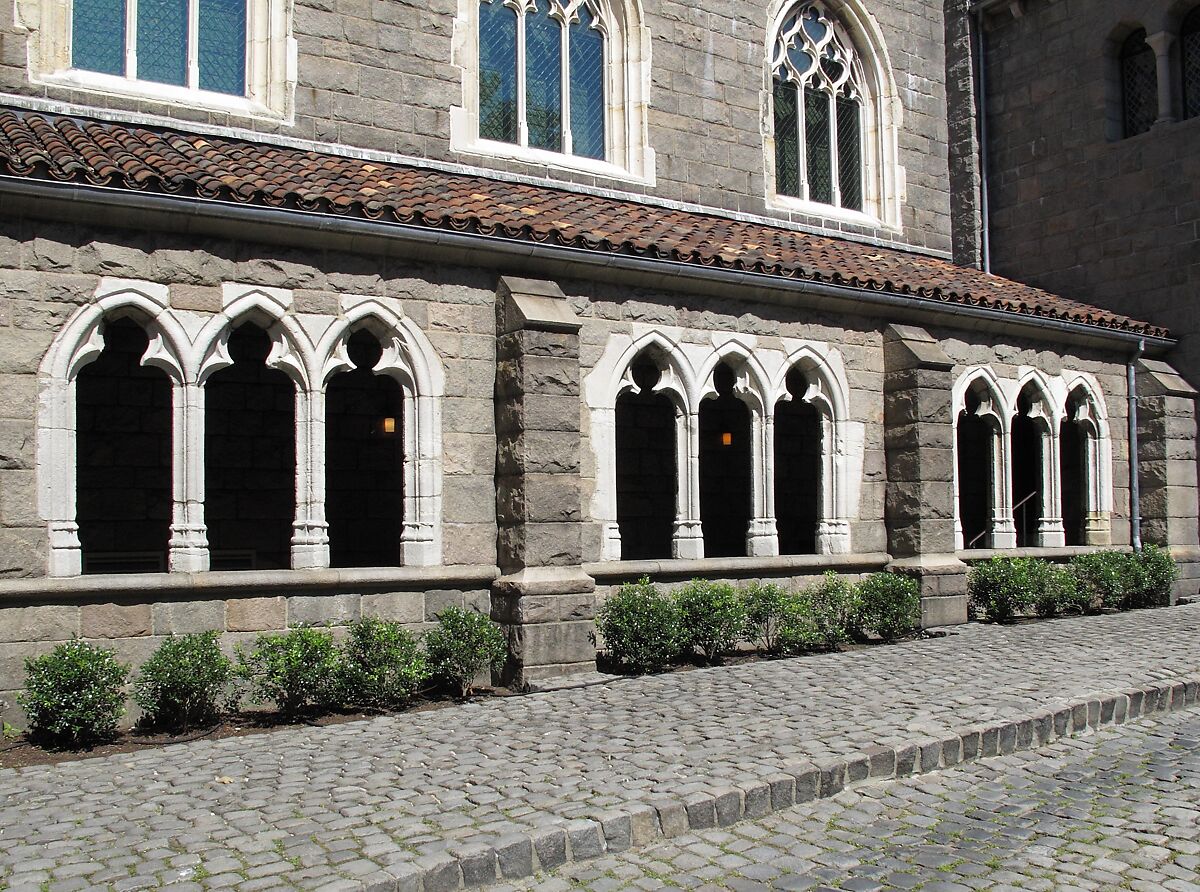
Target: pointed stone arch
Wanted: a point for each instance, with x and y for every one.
(1084, 409)
(828, 391)
(611, 377)
(409, 358)
(77, 344)
(979, 393)
(1035, 414)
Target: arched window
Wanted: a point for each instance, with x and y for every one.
(1189, 46)
(542, 67)
(799, 449)
(818, 111)
(726, 456)
(1139, 84)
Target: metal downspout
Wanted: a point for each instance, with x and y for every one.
(1135, 496)
(985, 223)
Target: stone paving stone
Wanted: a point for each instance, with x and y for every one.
(329, 801)
(1115, 774)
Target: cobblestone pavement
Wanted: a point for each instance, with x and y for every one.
(442, 797)
(1119, 809)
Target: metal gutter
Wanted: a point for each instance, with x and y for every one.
(202, 208)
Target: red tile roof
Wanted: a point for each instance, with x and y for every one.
(42, 146)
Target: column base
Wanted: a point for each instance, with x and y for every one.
(687, 543)
(762, 538)
(548, 614)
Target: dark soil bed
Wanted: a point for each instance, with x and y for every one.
(21, 752)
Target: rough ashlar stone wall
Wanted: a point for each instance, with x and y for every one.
(47, 271)
(1113, 222)
(378, 74)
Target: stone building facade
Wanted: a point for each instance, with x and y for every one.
(331, 348)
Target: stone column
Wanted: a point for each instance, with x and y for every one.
(919, 440)
(1161, 44)
(544, 599)
(188, 546)
(1166, 408)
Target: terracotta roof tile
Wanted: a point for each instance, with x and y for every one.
(43, 146)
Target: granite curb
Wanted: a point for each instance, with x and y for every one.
(522, 855)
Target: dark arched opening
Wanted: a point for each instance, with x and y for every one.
(646, 467)
(798, 496)
(725, 471)
(123, 455)
(250, 458)
(1073, 452)
(976, 474)
(1139, 84)
(364, 461)
(1028, 477)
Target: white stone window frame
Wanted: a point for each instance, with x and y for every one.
(628, 155)
(760, 381)
(270, 61)
(190, 347)
(1049, 410)
(882, 116)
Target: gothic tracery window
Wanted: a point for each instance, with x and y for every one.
(1139, 84)
(542, 75)
(817, 91)
(1189, 39)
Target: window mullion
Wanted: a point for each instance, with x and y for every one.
(131, 39)
(564, 79)
(802, 139)
(522, 125)
(193, 44)
(834, 171)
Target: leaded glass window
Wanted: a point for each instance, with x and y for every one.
(818, 97)
(542, 75)
(198, 44)
(1139, 84)
(1189, 40)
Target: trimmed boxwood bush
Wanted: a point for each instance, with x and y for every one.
(382, 664)
(183, 682)
(1004, 587)
(1158, 574)
(641, 627)
(1059, 593)
(712, 617)
(889, 604)
(823, 616)
(297, 670)
(1107, 577)
(75, 695)
(770, 611)
(463, 645)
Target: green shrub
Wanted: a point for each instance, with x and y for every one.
(889, 604)
(641, 627)
(182, 683)
(463, 645)
(770, 611)
(712, 617)
(382, 665)
(1058, 592)
(74, 696)
(1004, 587)
(1109, 578)
(297, 670)
(1158, 574)
(822, 617)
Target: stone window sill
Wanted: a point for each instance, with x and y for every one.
(799, 564)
